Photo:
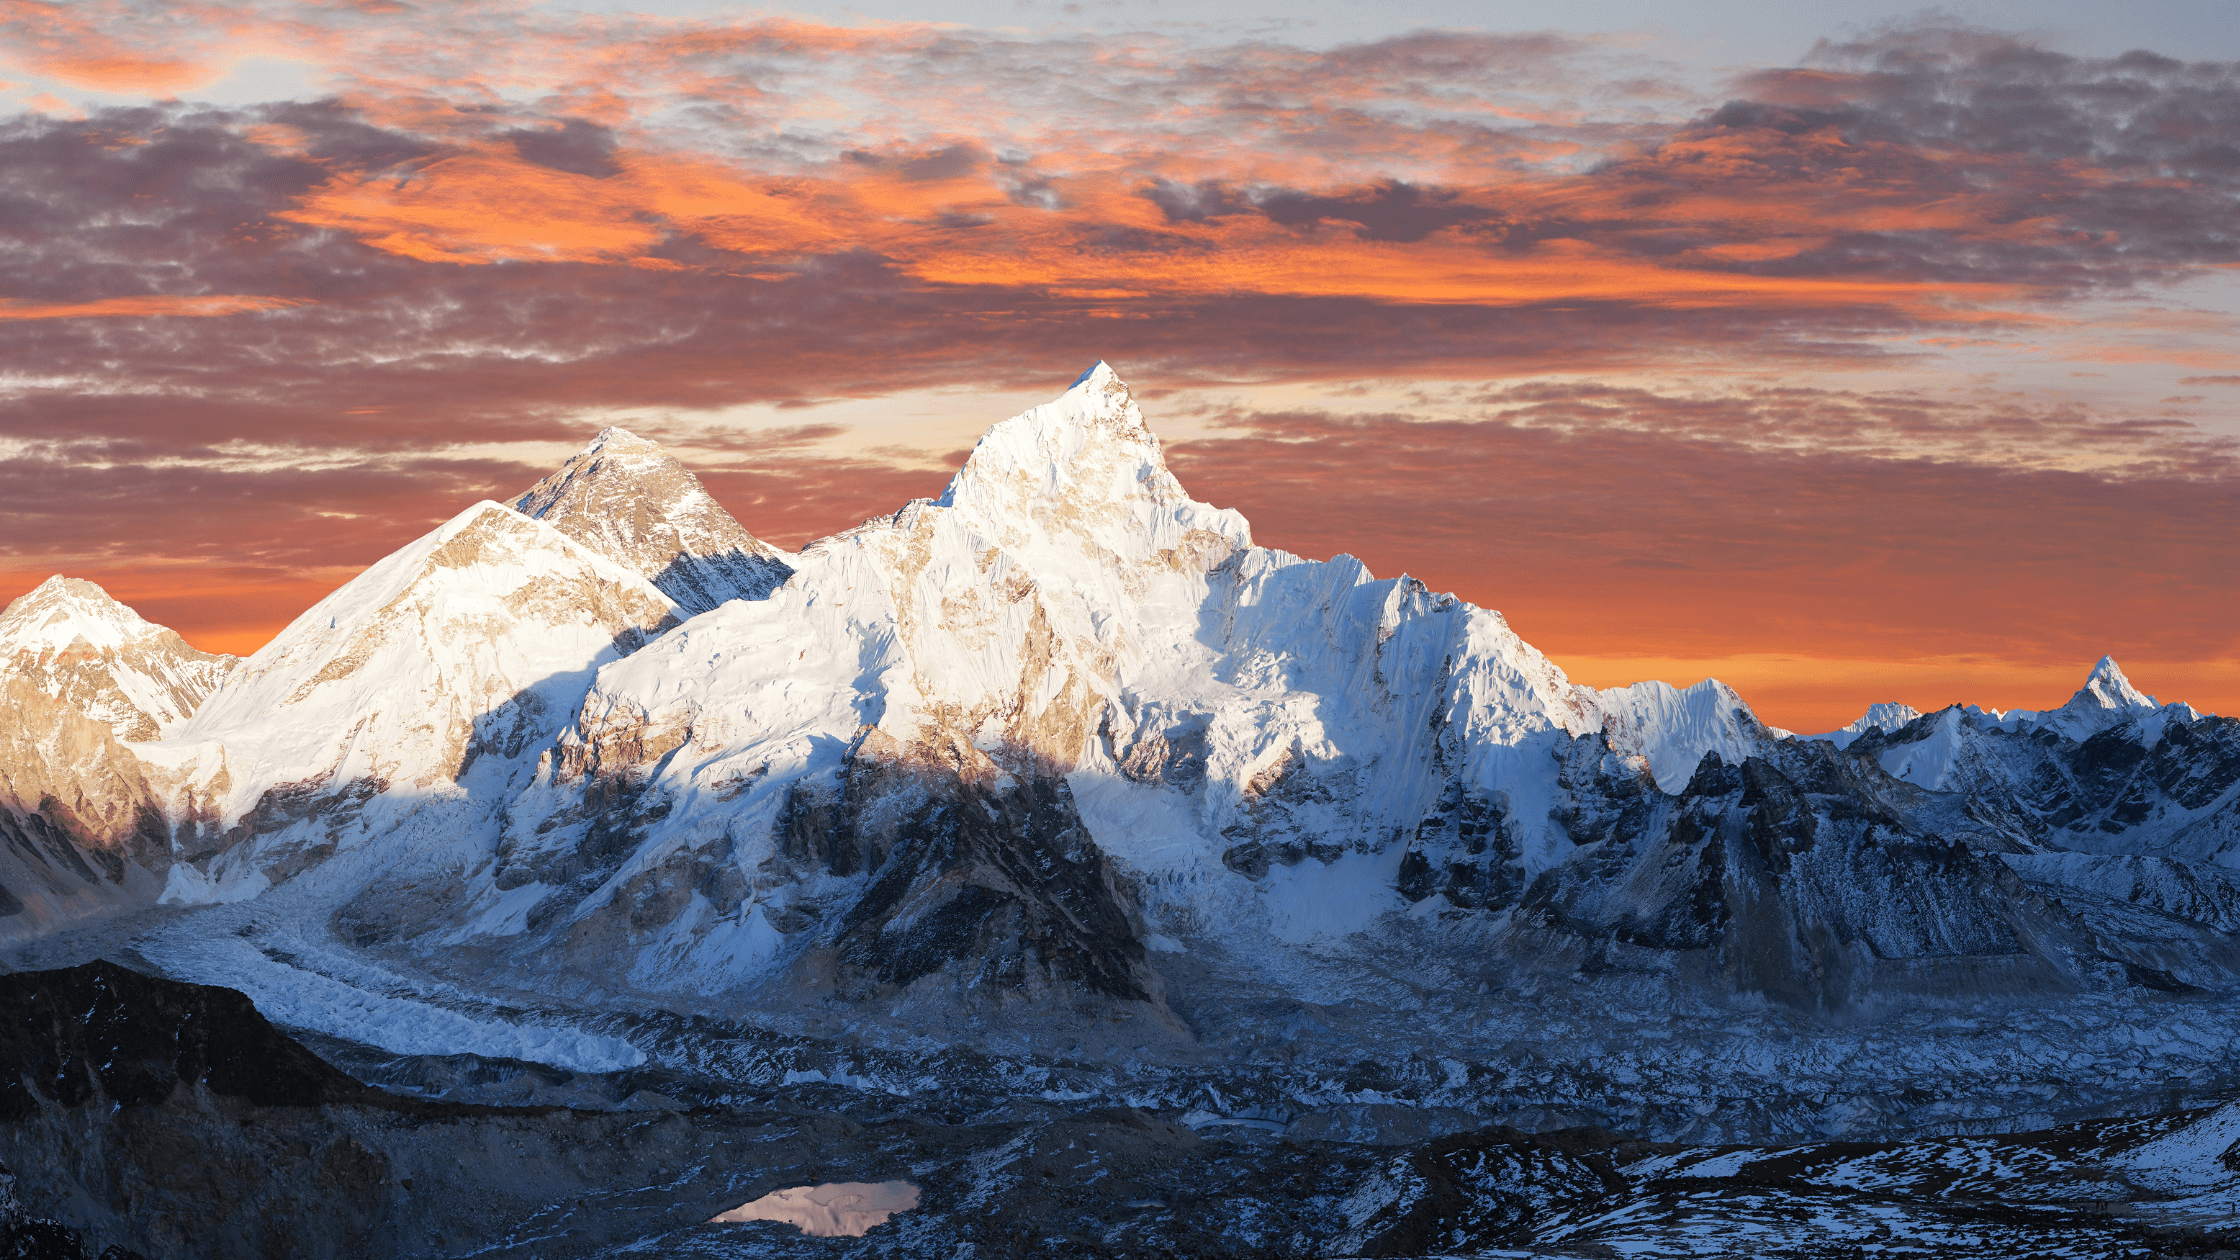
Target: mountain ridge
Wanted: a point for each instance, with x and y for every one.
(1061, 752)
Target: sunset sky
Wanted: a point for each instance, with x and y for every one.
(1845, 353)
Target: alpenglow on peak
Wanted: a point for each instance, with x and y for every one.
(2106, 699)
(73, 641)
(1085, 465)
(634, 503)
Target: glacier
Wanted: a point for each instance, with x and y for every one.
(1059, 785)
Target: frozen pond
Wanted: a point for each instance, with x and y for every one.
(842, 1209)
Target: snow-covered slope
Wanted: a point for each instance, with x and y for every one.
(1671, 729)
(70, 640)
(632, 502)
(1065, 710)
(2109, 772)
(474, 642)
(1248, 739)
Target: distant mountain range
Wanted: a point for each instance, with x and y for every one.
(1060, 757)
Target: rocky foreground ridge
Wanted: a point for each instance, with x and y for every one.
(158, 1120)
(1059, 784)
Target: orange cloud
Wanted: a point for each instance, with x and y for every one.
(964, 229)
(489, 206)
(514, 221)
(145, 306)
(67, 42)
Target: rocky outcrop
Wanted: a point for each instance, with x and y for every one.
(996, 886)
(83, 832)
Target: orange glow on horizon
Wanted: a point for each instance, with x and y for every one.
(1680, 375)
(1804, 694)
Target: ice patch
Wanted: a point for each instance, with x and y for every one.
(507, 913)
(296, 997)
(2190, 1156)
(1318, 901)
(186, 886)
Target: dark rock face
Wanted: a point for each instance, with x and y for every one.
(1795, 871)
(27, 1237)
(100, 1033)
(1474, 1190)
(997, 883)
(123, 1099)
(1811, 875)
(1466, 850)
(699, 583)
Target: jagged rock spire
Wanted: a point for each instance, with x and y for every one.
(633, 502)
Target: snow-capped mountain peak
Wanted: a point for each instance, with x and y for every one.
(1887, 717)
(1671, 728)
(1009, 744)
(1084, 468)
(2106, 699)
(79, 645)
(632, 501)
(477, 637)
(63, 612)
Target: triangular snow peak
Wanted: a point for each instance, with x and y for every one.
(634, 503)
(2106, 699)
(62, 611)
(74, 642)
(1084, 467)
(1886, 717)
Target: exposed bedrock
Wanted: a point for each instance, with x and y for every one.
(147, 1117)
(996, 884)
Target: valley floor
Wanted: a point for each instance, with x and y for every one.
(461, 1154)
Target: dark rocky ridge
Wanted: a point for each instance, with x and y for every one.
(174, 1121)
(100, 1032)
(1811, 876)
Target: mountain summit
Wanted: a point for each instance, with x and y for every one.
(632, 502)
(2106, 699)
(70, 640)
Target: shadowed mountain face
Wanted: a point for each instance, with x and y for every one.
(100, 1032)
(85, 824)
